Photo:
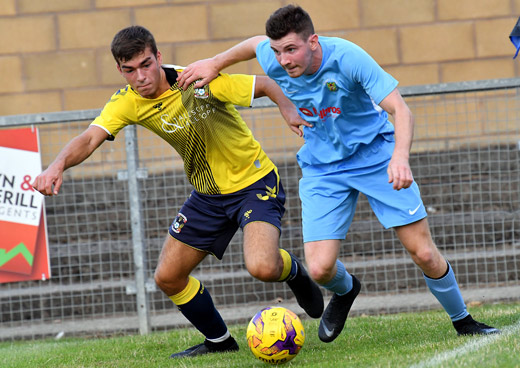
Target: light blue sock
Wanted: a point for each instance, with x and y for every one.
(447, 292)
(342, 282)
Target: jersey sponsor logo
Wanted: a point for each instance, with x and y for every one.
(181, 121)
(323, 113)
(179, 223)
(171, 127)
(269, 193)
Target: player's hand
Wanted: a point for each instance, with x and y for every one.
(292, 118)
(399, 173)
(294, 121)
(202, 71)
(48, 182)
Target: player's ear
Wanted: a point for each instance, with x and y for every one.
(313, 41)
(119, 68)
(159, 58)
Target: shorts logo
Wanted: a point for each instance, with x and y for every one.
(247, 214)
(270, 192)
(412, 212)
(179, 223)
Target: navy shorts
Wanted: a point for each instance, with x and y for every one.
(208, 222)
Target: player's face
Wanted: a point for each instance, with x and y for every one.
(143, 73)
(296, 55)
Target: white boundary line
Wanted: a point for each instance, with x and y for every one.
(471, 346)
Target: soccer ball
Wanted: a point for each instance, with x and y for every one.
(275, 335)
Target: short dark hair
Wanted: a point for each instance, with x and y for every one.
(132, 41)
(290, 18)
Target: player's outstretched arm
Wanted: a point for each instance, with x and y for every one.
(204, 71)
(265, 86)
(75, 152)
(399, 171)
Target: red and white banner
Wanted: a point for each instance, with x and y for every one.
(23, 236)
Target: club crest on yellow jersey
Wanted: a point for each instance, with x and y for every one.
(201, 92)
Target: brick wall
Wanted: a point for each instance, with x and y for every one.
(54, 54)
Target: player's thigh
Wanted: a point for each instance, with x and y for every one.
(260, 242)
(416, 236)
(328, 206)
(261, 250)
(176, 262)
(321, 257)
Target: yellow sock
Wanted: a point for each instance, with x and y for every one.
(188, 293)
(287, 264)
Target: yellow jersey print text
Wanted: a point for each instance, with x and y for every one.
(170, 124)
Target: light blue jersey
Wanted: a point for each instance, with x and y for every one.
(341, 100)
(348, 149)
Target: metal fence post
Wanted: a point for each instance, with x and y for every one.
(132, 160)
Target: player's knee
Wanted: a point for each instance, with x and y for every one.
(425, 258)
(159, 279)
(167, 284)
(264, 272)
(319, 273)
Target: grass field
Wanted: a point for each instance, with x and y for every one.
(425, 339)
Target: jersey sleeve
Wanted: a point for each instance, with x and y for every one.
(376, 82)
(238, 89)
(118, 112)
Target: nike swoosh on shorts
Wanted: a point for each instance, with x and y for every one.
(413, 212)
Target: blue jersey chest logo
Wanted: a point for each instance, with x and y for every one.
(332, 86)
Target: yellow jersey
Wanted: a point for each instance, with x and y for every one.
(219, 152)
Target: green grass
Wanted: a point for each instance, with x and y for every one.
(424, 339)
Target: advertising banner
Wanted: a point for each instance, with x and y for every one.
(23, 236)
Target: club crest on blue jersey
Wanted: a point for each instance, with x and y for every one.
(332, 86)
(179, 223)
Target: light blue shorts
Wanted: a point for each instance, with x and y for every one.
(329, 198)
